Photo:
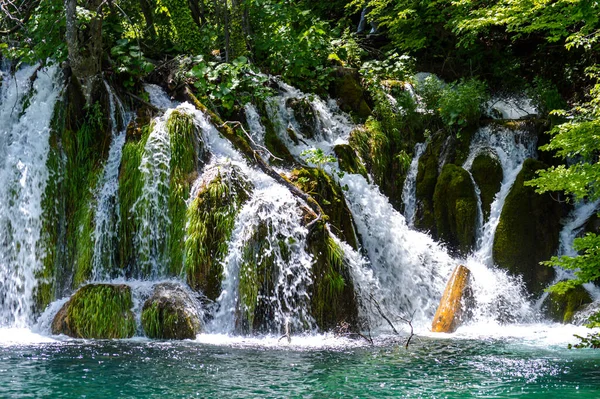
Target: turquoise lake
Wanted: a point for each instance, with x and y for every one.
(309, 367)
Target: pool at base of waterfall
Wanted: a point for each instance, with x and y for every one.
(528, 361)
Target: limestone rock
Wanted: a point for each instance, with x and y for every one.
(171, 313)
(451, 310)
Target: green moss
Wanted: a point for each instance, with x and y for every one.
(100, 311)
(131, 183)
(272, 141)
(184, 164)
(350, 94)
(487, 173)
(348, 160)
(427, 175)
(211, 218)
(330, 197)
(373, 146)
(258, 275)
(455, 208)
(528, 231)
(332, 298)
(562, 307)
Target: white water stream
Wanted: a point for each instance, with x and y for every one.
(26, 108)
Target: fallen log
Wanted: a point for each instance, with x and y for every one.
(450, 312)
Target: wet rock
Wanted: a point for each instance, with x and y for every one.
(528, 231)
(350, 94)
(97, 311)
(455, 208)
(454, 303)
(562, 307)
(211, 218)
(305, 116)
(487, 173)
(348, 160)
(171, 313)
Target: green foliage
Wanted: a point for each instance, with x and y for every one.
(226, 85)
(392, 67)
(291, 42)
(101, 311)
(317, 157)
(590, 341)
(130, 62)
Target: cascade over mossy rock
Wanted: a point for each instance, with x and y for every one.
(305, 116)
(487, 173)
(349, 161)
(562, 307)
(427, 175)
(171, 313)
(455, 208)
(528, 231)
(333, 298)
(330, 196)
(97, 311)
(455, 302)
(211, 218)
(350, 95)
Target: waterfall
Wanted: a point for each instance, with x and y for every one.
(257, 130)
(273, 210)
(107, 215)
(409, 191)
(151, 209)
(511, 148)
(27, 101)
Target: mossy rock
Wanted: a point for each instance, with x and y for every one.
(562, 307)
(211, 218)
(273, 142)
(455, 208)
(487, 173)
(376, 148)
(348, 160)
(171, 313)
(100, 311)
(427, 175)
(350, 94)
(528, 231)
(305, 116)
(333, 298)
(257, 281)
(330, 196)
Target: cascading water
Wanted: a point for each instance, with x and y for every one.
(511, 148)
(27, 102)
(107, 215)
(409, 191)
(151, 209)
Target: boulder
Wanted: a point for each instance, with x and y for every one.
(561, 307)
(528, 231)
(171, 313)
(455, 208)
(97, 311)
(454, 303)
(487, 173)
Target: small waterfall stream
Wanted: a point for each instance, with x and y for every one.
(26, 107)
(107, 215)
(409, 191)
